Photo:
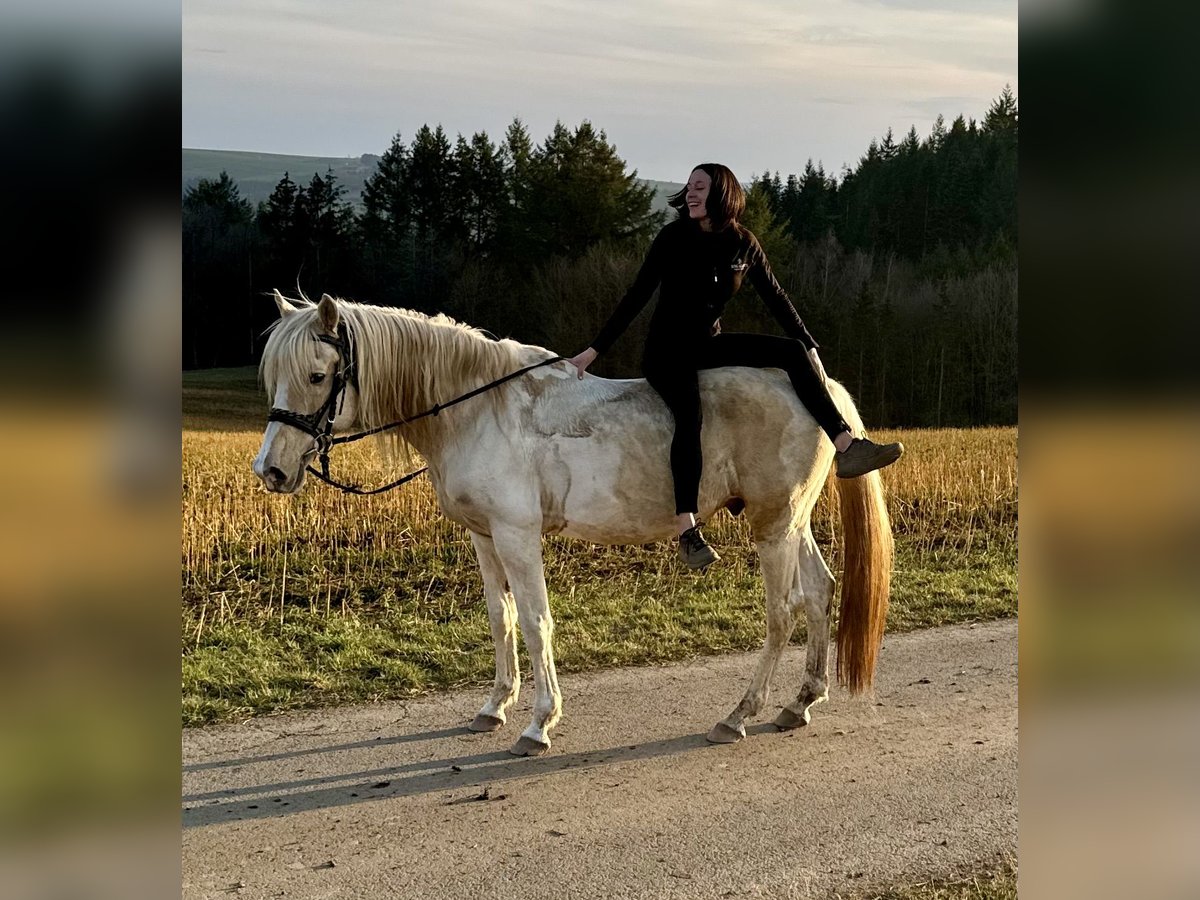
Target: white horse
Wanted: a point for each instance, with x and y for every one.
(548, 453)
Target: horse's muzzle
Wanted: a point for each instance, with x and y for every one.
(277, 481)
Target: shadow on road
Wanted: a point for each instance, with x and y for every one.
(449, 774)
(357, 745)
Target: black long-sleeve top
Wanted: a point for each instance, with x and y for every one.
(698, 272)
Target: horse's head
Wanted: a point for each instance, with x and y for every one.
(308, 369)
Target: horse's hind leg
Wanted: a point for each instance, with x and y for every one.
(502, 615)
(814, 585)
(521, 552)
(778, 560)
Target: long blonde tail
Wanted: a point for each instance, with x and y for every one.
(867, 568)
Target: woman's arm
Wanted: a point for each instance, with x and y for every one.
(636, 297)
(775, 297)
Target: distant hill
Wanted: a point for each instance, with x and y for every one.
(257, 174)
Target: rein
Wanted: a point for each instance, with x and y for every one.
(320, 424)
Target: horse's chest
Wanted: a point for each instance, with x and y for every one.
(532, 493)
(464, 507)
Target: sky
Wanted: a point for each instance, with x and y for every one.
(759, 85)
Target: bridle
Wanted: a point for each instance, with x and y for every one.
(319, 425)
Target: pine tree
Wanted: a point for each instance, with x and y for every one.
(325, 219)
(937, 135)
(998, 193)
(580, 194)
(810, 218)
(431, 184)
(776, 191)
(429, 177)
(278, 216)
(767, 185)
(1002, 114)
(887, 149)
(789, 204)
(387, 200)
(518, 151)
(761, 220)
(949, 216)
(512, 226)
(487, 198)
(478, 194)
(460, 193)
(218, 198)
(325, 209)
(909, 172)
(279, 221)
(385, 228)
(219, 240)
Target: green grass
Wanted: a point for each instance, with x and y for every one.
(998, 883)
(424, 625)
(223, 400)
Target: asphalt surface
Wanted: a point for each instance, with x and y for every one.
(399, 800)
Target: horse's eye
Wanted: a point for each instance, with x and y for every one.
(316, 377)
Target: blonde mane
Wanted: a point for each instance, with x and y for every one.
(407, 363)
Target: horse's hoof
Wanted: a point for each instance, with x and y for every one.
(724, 734)
(787, 719)
(483, 722)
(527, 746)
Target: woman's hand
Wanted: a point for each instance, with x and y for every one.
(583, 360)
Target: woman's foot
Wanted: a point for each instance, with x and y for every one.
(864, 455)
(694, 550)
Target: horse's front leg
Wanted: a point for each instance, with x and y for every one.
(521, 552)
(502, 615)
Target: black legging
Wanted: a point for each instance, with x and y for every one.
(673, 375)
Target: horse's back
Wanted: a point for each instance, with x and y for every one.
(742, 408)
(602, 451)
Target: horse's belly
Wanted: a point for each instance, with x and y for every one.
(624, 494)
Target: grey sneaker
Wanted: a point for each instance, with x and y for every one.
(694, 550)
(863, 456)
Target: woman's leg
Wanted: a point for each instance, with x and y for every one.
(678, 386)
(856, 455)
(765, 351)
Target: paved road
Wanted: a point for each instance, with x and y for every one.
(399, 800)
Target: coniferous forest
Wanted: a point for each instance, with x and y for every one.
(904, 267)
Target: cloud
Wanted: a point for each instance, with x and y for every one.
(365, 70)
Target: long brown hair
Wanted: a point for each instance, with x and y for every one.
(726, 198)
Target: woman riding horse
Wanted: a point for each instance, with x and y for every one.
(700, 260)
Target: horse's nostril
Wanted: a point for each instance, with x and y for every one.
(276, 476)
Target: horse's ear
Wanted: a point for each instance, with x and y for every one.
(285, 308)
(327, 313)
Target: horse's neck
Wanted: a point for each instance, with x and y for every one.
(462, 364)
(452, 376)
